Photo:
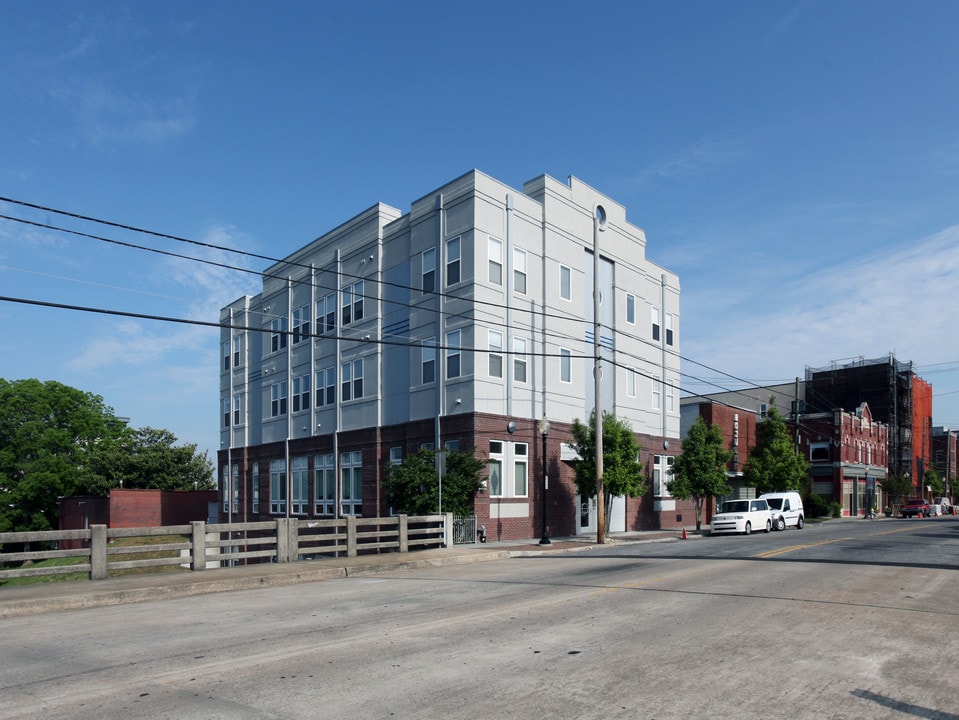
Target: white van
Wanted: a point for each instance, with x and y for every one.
(786, 508)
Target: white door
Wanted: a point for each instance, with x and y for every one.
(586, 515)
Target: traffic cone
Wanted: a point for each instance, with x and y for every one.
(684, 534)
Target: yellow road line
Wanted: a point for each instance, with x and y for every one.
(793, 548)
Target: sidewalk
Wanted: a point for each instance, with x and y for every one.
(55, 596)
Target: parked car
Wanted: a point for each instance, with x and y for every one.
(915, 507)
(786, 509)
(742, 516)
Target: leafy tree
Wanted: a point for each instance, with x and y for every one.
(932, 478)
(622, 473)
(147, 458)
(897, 487)
(700, 472)
(47, 434)
(412, 487)
(773, 464)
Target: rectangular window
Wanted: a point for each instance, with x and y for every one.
(453, 354)
(225, 404)
(324, 485)
(236, 409)
(278, 399)
(520, 466)
(300, 475)
(519, 270)
(326, 314)
(353, 303)
(278, 334)
(453, 261)
(301, 323)
(495, 353)
(654, 319)
(225, 488)
(236, 488)
(325, 387)
(236, 351)
(630, 309)
(657, 393)
(256, 487)
(301, 393)
(351, 482)
(671, 396)
(351, 380)
(661, 475)
(565, 283)
(630, 382)
(226, 356)
(495, 465)
(428, 360)
(396, 455)
(669, 328)
(428, 259)
(278, 487)
(519, 360)
(495, 261)
(565, 365)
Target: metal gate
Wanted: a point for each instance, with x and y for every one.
(464, 529)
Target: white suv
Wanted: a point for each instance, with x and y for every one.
(742, 516)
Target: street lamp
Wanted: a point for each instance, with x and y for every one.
(543, 426)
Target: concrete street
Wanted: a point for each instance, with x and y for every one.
(845, 619)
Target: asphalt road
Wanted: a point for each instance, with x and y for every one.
(856, 619)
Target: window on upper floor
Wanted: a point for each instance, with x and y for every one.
(495, 353)
(278, 334)
(565, 283)
(519, 271)
(351, 380)
(453, 261)
(630, 309)
(301, 393)
(565, 365)
(237, 405)
(654, 321)
(325, 387)
(278, 399)
(326, 314)
(301, 323)
(428, 270)
(630, 382)
(669, 328)
(519, 360)
(428, 361)
(352, 304)
(657, 394)
(226, 355)
(453, 358)
(236, 350)
(495, 261)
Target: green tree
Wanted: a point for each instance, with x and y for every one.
(933, 480)
(773, 464)
(700, 472)
(47, 434)
(412, 487)
(148, 458)
(897, 487)
(622, 473)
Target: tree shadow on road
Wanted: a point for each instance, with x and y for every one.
(904, 707)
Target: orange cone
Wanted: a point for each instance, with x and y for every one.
(684, 534)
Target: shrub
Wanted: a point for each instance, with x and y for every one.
(817, 506)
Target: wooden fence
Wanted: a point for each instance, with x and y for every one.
(201, 545)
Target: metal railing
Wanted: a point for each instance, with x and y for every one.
(201, 545)
(464, 529)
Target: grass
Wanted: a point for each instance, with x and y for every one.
(119, 542)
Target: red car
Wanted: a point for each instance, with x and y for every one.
(915, 507)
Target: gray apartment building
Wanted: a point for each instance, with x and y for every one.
(461, 323)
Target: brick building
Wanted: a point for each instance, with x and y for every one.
(459, 324)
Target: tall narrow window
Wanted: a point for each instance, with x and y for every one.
(520, 468)
(565, 283)
(565, 366)
(236, 351)
(519, 360)
(630, 382)
(225, 404)
(324, 485)
(519, 270)
(353, 303)
(226, 356)
(630, 309)
(278, 334)
(236, 409)
(301, 393)
(453, 354)
(669, 328)
(278, 487)
(351, 482)
(428, 355)
(325, 387)
(278, 399)
(495, 466)
(453, 261)
(671, 397)
(495, 261)
(351, 380)
(654, 319)
(301, 323)
(428, 259)
(255, 481)
(495, 353)
(657, 394)
(300, 477)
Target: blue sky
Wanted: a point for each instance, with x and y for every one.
(796, 163)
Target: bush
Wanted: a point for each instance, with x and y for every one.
(817, 506)
(835, 509)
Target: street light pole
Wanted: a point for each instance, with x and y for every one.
(544, 431)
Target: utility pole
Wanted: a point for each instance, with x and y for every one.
(599, 222)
